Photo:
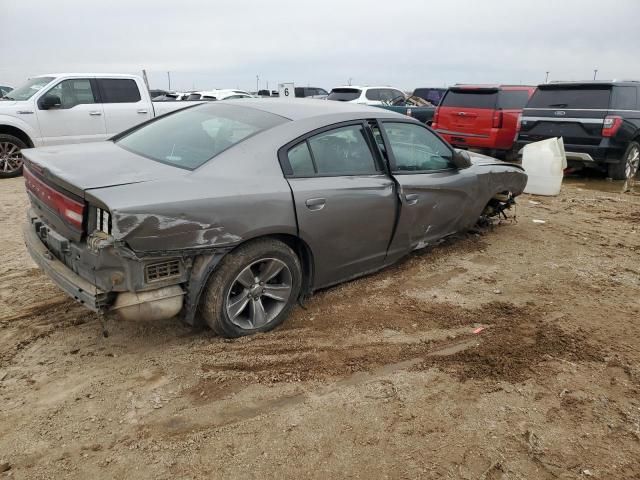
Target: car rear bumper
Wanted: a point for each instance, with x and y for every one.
(497, 139)
(75, 286)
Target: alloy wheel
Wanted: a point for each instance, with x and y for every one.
(633, 160)
(259, 293)
(10, 157)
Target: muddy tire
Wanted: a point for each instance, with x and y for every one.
(10, 156)
(253, 289)
(628, 165)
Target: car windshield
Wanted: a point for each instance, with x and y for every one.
(29, 89)
(571, 97)
(191, 137)
(344, 94)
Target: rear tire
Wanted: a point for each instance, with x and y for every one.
(253, 289)
(627, 167)
(10, 156)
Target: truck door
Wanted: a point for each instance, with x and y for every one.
(123, 104)
(345, 203)
(73, 114)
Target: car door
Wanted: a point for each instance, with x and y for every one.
(345, 202)
(76, 116)
(123, 104)
(436, 198)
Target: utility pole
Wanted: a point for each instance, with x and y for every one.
(546, 78)
(169, 78)
(349, 81)
(595, 73)
(257, 83)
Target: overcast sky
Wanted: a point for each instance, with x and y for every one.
(404, 43)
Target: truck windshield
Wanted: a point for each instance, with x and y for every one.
(571, 97)
(29, 89)
(191, 137)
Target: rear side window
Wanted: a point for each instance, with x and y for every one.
(592, 98)
(373, 94)
(119, 90)
(343, 151)
(513, 99)
(624, 98)
(300, 160)
(470, 99)
(344, 94)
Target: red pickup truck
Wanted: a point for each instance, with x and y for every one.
(482, 117)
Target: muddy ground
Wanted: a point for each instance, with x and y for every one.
(382, 377)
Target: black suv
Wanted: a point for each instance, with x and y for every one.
(599, 123)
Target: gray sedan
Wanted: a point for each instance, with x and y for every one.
(229, 212)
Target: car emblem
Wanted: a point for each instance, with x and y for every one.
(559, 113)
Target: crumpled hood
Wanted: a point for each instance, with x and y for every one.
(480, 159)
(86, 166)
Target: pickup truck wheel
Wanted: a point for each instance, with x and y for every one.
(628, 166)
(253, 289)
(10, 156)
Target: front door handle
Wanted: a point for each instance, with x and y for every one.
(95, 114)
(412, 198)
(316, 203)
(143, 111)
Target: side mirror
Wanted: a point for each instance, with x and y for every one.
(461, 159)
(50, 101)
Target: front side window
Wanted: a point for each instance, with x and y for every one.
(416, 149)
(343, 151)
(191, 137)
(72, 92)
(390, 95)
(119, 90)
(29, 89)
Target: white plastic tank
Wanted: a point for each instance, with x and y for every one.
(544, 163)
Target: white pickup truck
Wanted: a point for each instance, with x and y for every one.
(72, 108)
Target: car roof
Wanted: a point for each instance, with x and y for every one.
(365, 87)
(597, 83)
(297, 109)
(489, 86)
(87, 74)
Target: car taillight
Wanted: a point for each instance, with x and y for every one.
(611, 125)
(434, 121)
(65, 207)
(497, 119)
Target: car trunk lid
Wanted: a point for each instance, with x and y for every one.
(576, 113)
(468, 110)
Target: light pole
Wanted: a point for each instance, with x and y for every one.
(595, 73)
(169, 78)
(257, 83)
(546, 78)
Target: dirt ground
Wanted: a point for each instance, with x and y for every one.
(383, 377)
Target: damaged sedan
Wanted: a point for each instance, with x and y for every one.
(228, 213)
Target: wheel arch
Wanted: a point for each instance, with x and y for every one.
(16, 132)
(205, 265)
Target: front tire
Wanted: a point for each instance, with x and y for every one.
(10, 156)
(253, 289)
(627, 168)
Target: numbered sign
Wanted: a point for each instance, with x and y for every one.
(286, 90)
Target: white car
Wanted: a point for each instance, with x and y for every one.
(366, 95)
(66, 108)
(219, 94)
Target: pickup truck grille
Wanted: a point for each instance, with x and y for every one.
(162, 271)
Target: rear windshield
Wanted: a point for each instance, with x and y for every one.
(576, 97)
(191, 137)
(470, 99)
(344, 94)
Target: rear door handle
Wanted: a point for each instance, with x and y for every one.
(95, 114)
(412, 198)
(316, 203)
(143, 111)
